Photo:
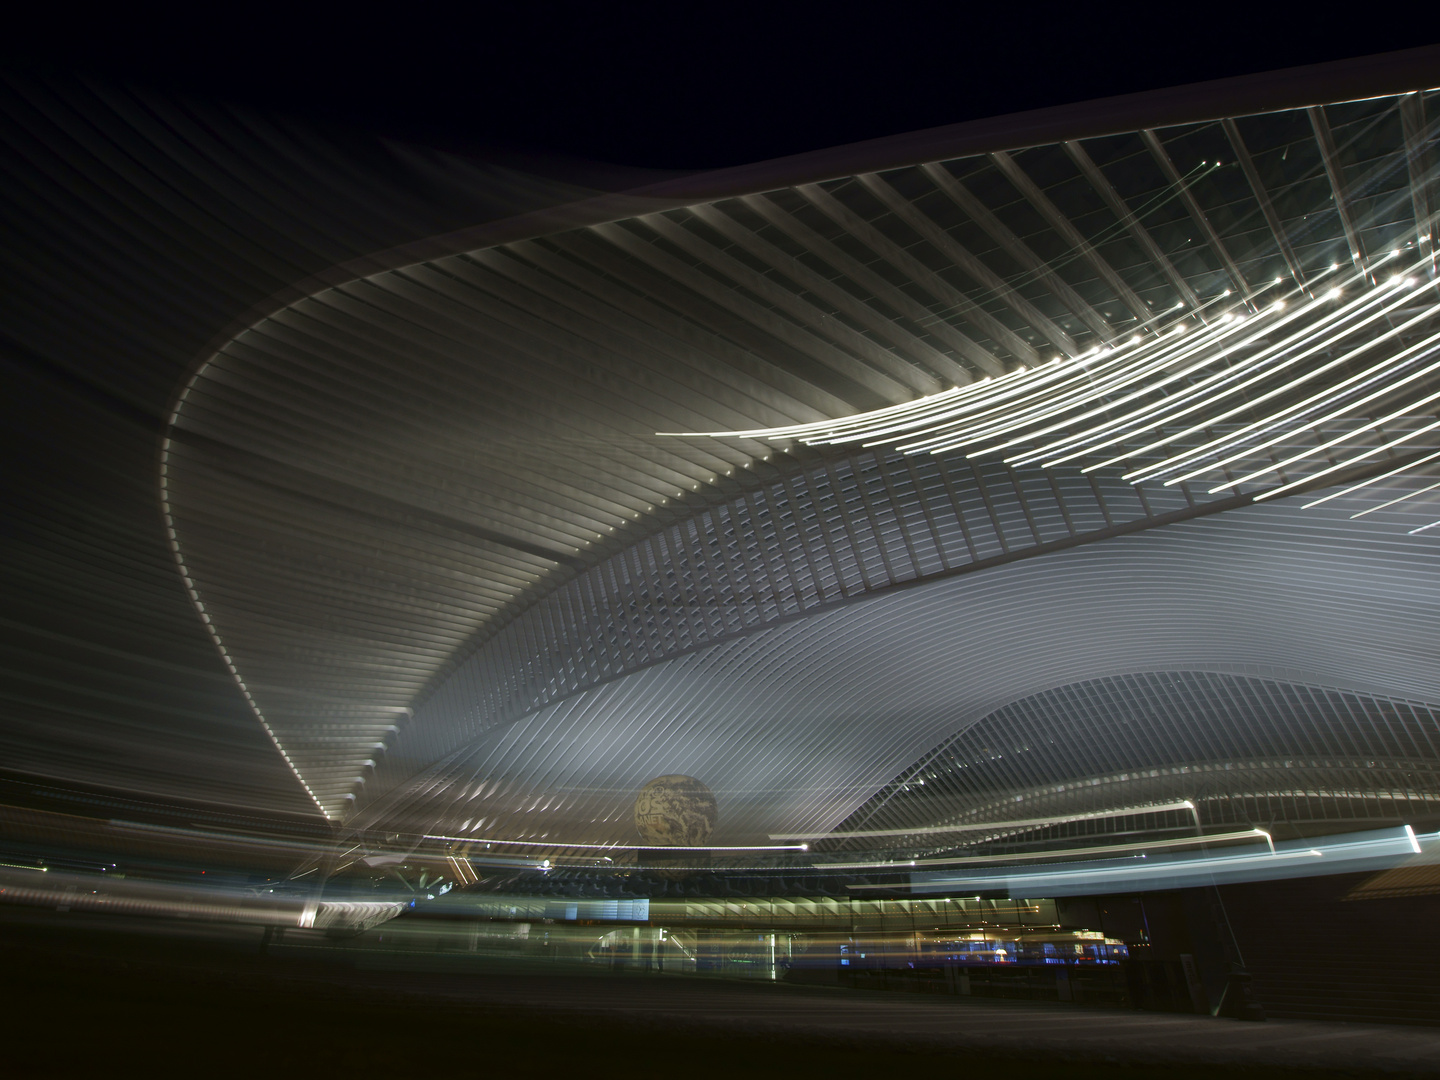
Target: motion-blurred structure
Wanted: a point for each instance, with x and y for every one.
(999, 554)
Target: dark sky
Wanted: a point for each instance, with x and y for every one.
(681, 86)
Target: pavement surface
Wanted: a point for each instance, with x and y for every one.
(914, 1021)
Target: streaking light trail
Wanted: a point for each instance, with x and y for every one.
(1279, 393)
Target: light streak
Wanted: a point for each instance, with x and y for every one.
(1133, 404)
(984, 826)
(1064, 853)
(472, 840)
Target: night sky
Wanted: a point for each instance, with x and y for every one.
(680, 86)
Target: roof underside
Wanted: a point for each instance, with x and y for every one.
(444, 470)
(421, 505)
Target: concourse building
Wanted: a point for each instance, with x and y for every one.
(1033, 496)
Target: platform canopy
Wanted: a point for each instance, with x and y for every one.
(1070, 460)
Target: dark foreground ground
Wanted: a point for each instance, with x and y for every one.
(83, 998)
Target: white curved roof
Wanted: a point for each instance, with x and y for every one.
(419, 501)
(428, 504)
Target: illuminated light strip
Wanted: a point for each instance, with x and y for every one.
(1375, 425)
(999, 406)
(939, 408)
(463, 870)
(614, 847)
(1050, 395)
(1238, 382)
(1269, 373)
(1120, 365)
(1084, 442)
(1348, 463)
(821, 427)
(1275, 419)
(1161, 868)
(1392, 502)
(199, 604)
(995, 403)
(1423, 528)
(1374, 480)
(941, 411)
(1095, 388)
(966, 860)
(1098, 815)
(1071, 442)
(935, 408)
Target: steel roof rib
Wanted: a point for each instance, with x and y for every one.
(684, 340)
(1334, 171)
(942, 242)
(1123, 214)
(863, 646)
(1016, 248)
(818, 322)
(1262, 196)
(418, 499)
(846, 302)
(881, 384)
(1030, 191)
(902, 302)
(948, 295)
(1202, 222)
(1419, 139)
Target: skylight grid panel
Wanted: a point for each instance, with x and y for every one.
(716, 575)
(1037, 496)
(768, 595)
(948, 535)
(702, 230)
(1318, 240)
(509, 687)
(622, 605)
(1372, 122)
(1280, 735)
(870, 559)
(534, 672)
(675, 576)
(1162, 500)
(913, 518)
(827, 585)
(1372, 134)
(1081, 501)
(696, 627)
(1121, 502)
(1425, 726)
(891, 538)
(1397, 738)
(748, 593)
(555, 638)
(1003, 505)
(776, 551)
(798, 568)
(880, 514)
(660, 605)
(577, 614)
(602, 631)
(869, 562)
(1385, 224)
(843, 543)
(838, 557)
(1266, 720)
(811, 545)
(1094, 220)
(1336, 713)
(980, 526)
